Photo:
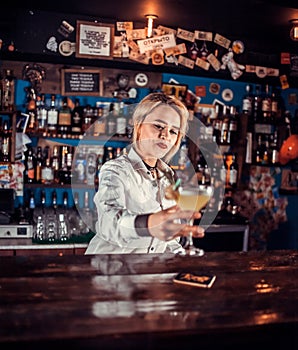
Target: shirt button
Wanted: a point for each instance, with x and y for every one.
(152, 248)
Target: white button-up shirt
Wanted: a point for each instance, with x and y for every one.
(127, 189)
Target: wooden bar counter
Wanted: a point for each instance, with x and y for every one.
(131, 302)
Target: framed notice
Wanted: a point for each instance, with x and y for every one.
(81, 82)
(94, 40)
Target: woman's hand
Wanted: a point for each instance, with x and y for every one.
(166, 224)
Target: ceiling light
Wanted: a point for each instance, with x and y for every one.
(294, 29)
(150, 19)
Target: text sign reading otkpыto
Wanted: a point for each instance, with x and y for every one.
(156, 42)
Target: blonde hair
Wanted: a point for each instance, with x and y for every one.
(152, 101)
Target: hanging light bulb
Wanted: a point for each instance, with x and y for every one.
(150, 19)
(294, 29)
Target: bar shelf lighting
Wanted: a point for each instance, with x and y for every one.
(150, 20)
(294, 29)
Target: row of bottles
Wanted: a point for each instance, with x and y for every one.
(47, 166)
(221, 173)
(219, 126)
(66, 165)
(262, 105)
(268, 125)
(60, 222)
(5, 141)
(71, 120)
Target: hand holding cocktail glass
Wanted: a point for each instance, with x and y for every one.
(192, 197)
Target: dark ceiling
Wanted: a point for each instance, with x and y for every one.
(263, 25)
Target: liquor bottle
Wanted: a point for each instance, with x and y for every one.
(91, 169)
(43, 201)
(87, 120)
(47, 173)
(76, 224)
(39, 164)
(274, 107)
(55, 164)
(217, 122)
(6, 142)
(259, 150)
(54, 201)
(224, 134)
(121, 121)
(99, 162)
(223, 173)
(274, 148)
(31, 207)
(8, 91)
(64, 120)
(65, 173)
(52, 117)
(233, 176)
(63, 224)
(87, 214)
(42, 115)
(247, 101)
(76, 119)
(80, 165)
(108, 153)
(111, 121)
(30, 166)
(99, 120)
(257, 105)
(62, 228)
(266, 151)
(233, 126)
(266, 106)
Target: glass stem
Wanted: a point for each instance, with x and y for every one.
(190, 234)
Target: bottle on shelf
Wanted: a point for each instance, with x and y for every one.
(55, 163)
(76, 119)
(257, 105)
(121, 120)
(47, 173)
(266, 106)
(233, 126)
(88, 117)
(111, 121)
(30, 164)
(259, 150)
(274, 148)
(224, 134)
(8, 91)
(223, 173)
(233, 176)
(31, 207)
(5, 139)
(99, 120)
(39, 165)
(42, 115)
(87, 215)
(90, 169)
(247, 101)
(64, 120)
(65, 173)
(80, 166)
(52, 117)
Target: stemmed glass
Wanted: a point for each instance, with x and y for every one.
(192, 197)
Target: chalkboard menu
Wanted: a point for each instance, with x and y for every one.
(79, 82)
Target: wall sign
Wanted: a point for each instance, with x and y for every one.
(81, 82)
(94, 40)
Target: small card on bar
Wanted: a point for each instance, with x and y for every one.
(195, 279)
